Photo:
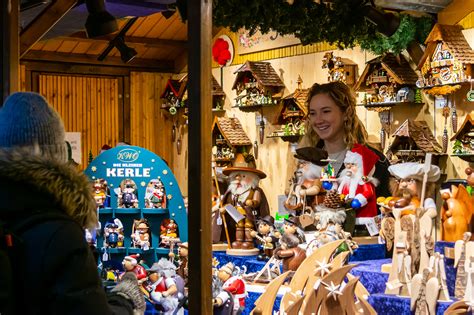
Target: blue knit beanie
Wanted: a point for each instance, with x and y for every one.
(27, 120)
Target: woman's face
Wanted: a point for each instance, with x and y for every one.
(326, 118)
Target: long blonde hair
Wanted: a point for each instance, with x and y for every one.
(342, 95)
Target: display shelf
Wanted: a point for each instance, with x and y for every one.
(117, 250)
(127, 210)
(155, 211)
(387, 104)
(465, 157)
(253, 108)
(290, 138)
(105, 211)
(217, 111)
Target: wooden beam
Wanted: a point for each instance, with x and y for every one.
(147, 41)
(43, 23)
(455, 12)
(181, 63)
(68, 68)
(199, 172)
(9, 48)
(150, 65)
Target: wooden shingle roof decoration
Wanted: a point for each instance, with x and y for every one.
(292, 114)
(387, 80)
(228, 138)
(257, 84)
(412, 140)
(447, 60)
(463, 145)
(218, 96)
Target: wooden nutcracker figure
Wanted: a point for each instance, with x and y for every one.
(267, 236)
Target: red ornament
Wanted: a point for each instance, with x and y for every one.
(220, 52)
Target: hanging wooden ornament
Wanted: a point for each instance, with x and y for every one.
(454, 116)
(173, 132)
(382, 138)
(261, 130)
(445, 140)
(179, 143)
(255, 149)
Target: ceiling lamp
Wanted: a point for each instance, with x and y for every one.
(99, 22)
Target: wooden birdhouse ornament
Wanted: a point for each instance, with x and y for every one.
(340, 69)
(257, 84)
(218, 96)
(228, 138)
(292, 115)
(447, 60)
(463, 145)
(412, 141)
(173, 95)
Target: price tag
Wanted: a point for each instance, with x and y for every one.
(372, 226)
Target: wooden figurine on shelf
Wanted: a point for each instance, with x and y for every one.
(100, 194)
(438, 271)
(161, 287)
(387, 225)
(234, 284)
(470, 180)
(413, 214)
(141, 234)
(469, 268)
(290, 253)
(267, 236)
(305, 188)
(130, 263)
(244, 202)
(113, 233)
(127, 196)
(424, 293)
(456, 213)
(168, 231)
(156, 195)
(292, 226)
(183, 252)
(222, 300)
(357, 184)
(459, 263)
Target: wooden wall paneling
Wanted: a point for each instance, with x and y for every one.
(126, 109)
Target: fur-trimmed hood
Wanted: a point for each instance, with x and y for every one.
(55, 182)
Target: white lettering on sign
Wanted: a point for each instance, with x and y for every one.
(128, 172)
(128, 155)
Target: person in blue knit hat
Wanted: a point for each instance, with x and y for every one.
(46, 203)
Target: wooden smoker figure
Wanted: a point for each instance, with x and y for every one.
(244, 202)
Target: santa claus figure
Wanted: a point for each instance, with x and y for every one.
(357, 184)
(161, 286)
(130, 263)
(244, 194)
(234, 284)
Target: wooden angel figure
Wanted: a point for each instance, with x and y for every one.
(469, 268)
(459, 263)
(438, 271)
(424, 293)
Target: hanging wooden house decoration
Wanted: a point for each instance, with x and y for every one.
(446, 62)
(173, 96)
(218, 96)
(412, 140)
(463, 146)
(257, 84)
(340, 69)
(228, 138)
(292, 115)
(387, 81)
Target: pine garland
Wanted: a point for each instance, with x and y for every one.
(341, 22)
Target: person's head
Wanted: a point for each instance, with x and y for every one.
(225, 272)
(28, 121)
(183, 250)
(332, 115)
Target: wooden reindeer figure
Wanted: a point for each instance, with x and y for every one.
(456, 213)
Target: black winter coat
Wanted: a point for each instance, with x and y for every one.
(54, 271)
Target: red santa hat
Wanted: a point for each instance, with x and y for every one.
(133, 259)
(362, 157)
